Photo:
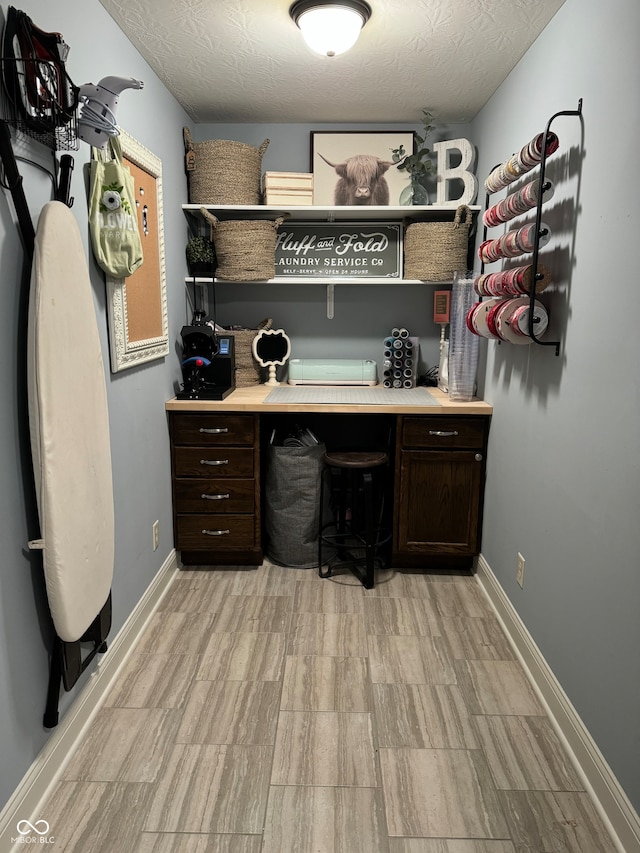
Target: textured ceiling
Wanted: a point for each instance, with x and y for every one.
(245, 61)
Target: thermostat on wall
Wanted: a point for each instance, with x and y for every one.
(441, 306)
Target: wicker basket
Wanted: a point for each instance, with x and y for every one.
(433, 251)
(247, 369)
(245, 249)
(221, 171)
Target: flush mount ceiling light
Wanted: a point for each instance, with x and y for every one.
(330, 28)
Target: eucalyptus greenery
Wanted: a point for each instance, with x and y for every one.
(418, 164)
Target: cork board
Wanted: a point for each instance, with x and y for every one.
(144, 309)
(137, 305)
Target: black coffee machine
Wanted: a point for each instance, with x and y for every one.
(208, 361)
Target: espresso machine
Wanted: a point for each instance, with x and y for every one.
(208, 361)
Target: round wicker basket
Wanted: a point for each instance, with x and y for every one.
(245, 249)
(433, 251)
(222, 171)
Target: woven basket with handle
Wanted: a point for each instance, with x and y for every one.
(222, 171)
(433, 251)
(247, 369)
(245, 249)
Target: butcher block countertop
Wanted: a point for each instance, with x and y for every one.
(252, 399)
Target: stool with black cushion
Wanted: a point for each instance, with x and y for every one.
(356, 536)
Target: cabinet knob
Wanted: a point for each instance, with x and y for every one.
(478, 457)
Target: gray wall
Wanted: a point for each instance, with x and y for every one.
(139, 439)
(563, 481)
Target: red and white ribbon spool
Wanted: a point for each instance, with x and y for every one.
(526, 159)
(477, 318)
(514, 243)
(517, 203)
(507, 319)
(512, 282)
(512, 322)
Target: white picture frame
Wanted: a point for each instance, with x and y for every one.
(336, 147)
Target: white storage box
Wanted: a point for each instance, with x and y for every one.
(288, 180)
(277, 197)
(288, 188)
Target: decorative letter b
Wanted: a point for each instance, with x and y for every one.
(461, 172)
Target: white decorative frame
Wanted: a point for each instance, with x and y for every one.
(263, 334)
(124, 352)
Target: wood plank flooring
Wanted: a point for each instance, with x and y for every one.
(268, 711)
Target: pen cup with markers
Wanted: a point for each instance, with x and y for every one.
(463, 346)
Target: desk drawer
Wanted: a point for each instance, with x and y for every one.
(213, 462)
(215, 531)
(204, 429)
(215, 496)
(443, 432)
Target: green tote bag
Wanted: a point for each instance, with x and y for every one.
(113, 219)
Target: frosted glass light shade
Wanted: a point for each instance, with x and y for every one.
(331, 28)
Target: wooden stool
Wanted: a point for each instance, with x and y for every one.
(358, 502)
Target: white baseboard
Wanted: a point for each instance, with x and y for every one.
(49, 764)
(611, 801)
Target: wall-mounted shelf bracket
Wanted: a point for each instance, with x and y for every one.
(331, 304)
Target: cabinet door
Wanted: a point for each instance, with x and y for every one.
(439, 502)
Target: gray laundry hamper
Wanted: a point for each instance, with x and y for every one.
(292, 504)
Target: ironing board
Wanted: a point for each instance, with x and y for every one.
(69, 427)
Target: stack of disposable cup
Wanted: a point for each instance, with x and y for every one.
(463, 346)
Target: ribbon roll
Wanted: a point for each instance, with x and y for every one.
(512, 282)
(517, 204)
(477, 318)
(513, 243)
(512, 321)
(519, 164)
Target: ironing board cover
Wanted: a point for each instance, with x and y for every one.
(69, 427)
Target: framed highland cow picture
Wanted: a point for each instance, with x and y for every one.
(357, 167)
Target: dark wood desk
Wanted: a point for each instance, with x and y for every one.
(439, 455)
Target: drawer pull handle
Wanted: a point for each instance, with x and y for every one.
(214, 461)
(214, 431)
(215, 497)
(442, 433)
(216, 532)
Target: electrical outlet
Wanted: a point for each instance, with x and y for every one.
(156, 535)
(520, 570)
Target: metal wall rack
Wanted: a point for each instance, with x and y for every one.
(60, 130)
(539, 232)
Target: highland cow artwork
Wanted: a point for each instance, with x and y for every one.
(357, 168)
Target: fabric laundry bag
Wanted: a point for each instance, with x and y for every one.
(292, 507)
(113, 218)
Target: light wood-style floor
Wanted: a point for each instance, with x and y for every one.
(268, 710)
